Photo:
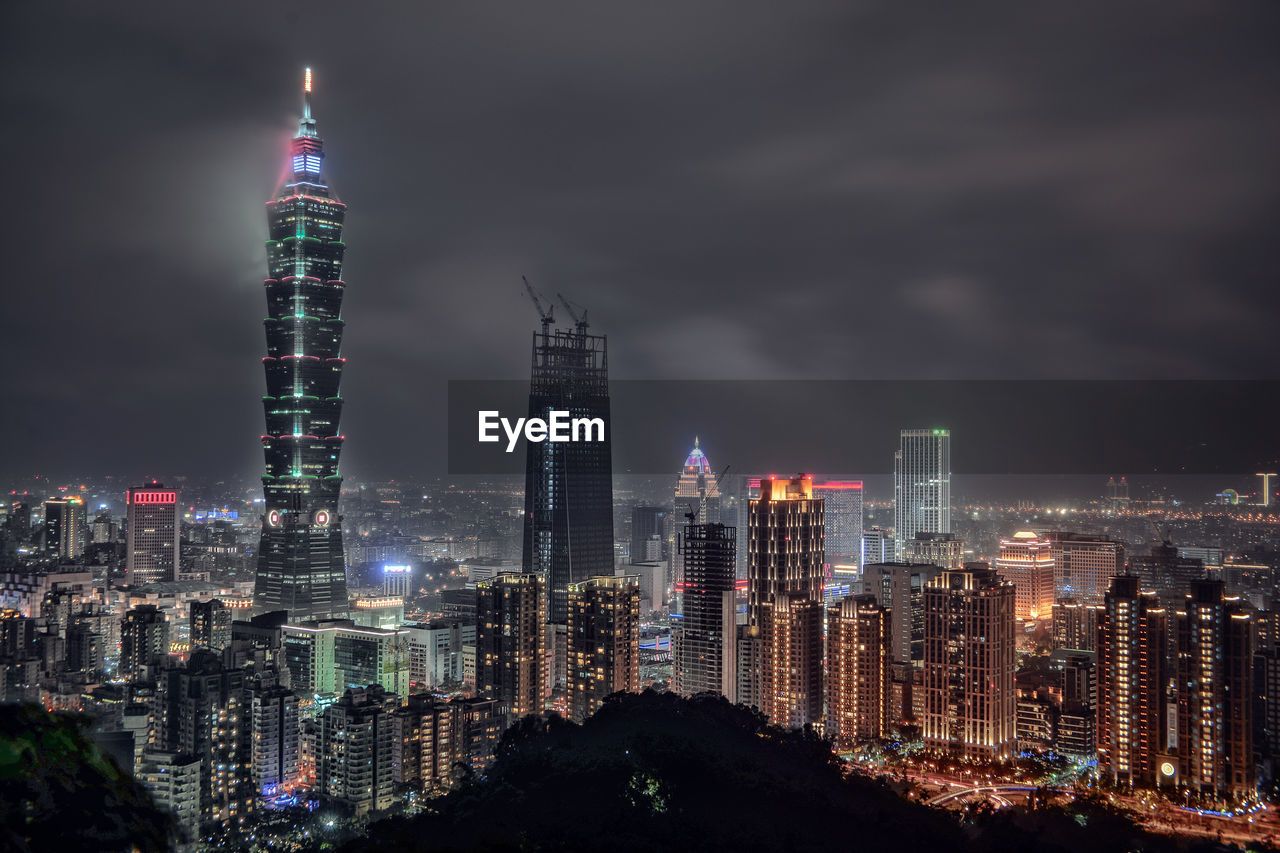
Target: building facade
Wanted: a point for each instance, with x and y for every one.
(511, 636)
(604, 641)
(1026, 561)
(153, 535)
(1132, 711)
(921, 484)
(969, 664)
(858, 671)
(1083, 565)
(704, 645)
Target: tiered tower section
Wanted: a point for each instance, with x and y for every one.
(300, 562)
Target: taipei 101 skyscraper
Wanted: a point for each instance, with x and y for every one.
(300, 560)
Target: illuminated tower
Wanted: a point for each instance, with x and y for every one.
(785, 574)
(510, 651)
(1215, 698)
(152, 547)
(1027, 562)
(697, 490)
(921, 484)
(969, 663)
(64, 521)
(858, 681)
(604, 641)
(300, 560)
(1131, 684)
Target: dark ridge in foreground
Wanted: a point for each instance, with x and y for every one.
(60, 792)
(653, 770)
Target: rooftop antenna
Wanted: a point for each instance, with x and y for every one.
(547, 314)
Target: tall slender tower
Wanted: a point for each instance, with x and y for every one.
(300, 560)
(568, 486)
(921, 484)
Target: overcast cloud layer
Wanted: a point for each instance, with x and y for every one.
(736, 190)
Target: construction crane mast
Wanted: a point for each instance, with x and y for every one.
(548, 314)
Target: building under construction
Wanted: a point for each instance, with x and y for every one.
(568, 496)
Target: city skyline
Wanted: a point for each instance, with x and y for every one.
(977, 334)
(1014, 141)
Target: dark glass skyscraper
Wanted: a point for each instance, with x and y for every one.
(568, 486)
(300, 561)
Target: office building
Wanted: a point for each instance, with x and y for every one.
(301, 565)
(969, 664)
(785, 543)
(104, 529)
(704, 644)
(921, 484)
(64, 528)
(786, 572)
(325, 658)
(1132, 712)
(383, 612)
(935, 549)
(1026, 562)
(395, 581)
(842, 510)
(1083, 565)
(568, 482)
(511, 642)
(877, 546)
(1166, 572)
(648, 533)
(697, 490)
(152, 537)
(858, 672)
(604, 641)
(899, 588)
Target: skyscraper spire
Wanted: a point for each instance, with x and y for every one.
(307, 125)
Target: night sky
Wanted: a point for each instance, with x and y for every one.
(735, 190)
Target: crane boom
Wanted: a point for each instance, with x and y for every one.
(548, 314)
(580, 322)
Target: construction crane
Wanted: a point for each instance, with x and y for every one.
(547, 314)
(723, 471)
(1162, 536)
(580, 322)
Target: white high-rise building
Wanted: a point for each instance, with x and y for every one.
(921, 484)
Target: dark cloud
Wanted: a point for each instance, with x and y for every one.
(734, 189)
